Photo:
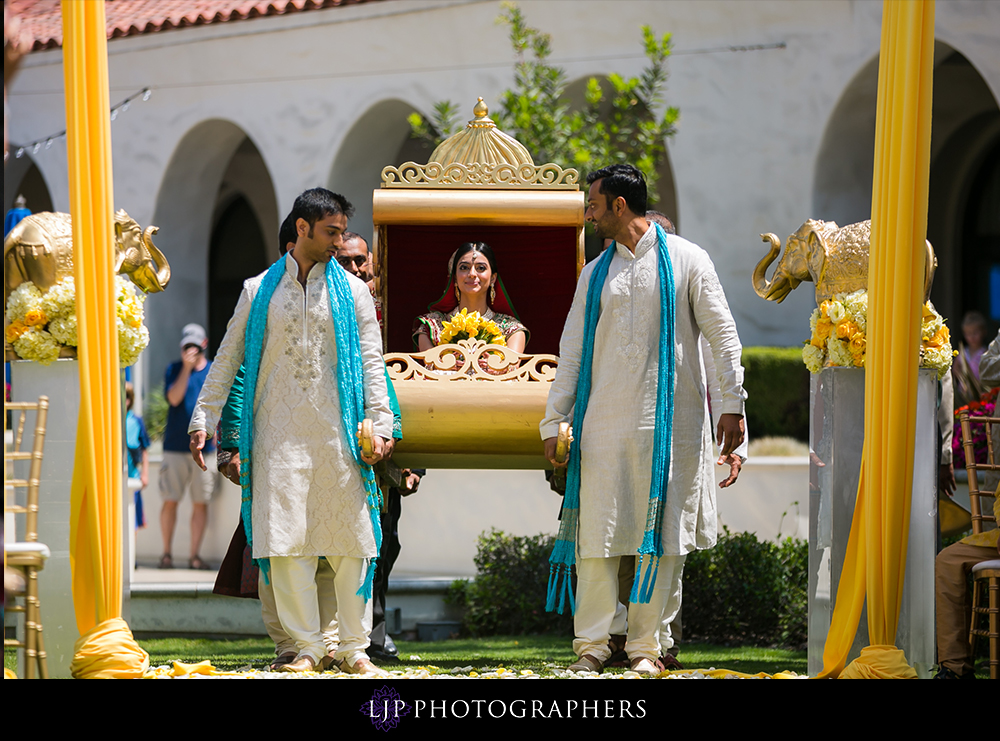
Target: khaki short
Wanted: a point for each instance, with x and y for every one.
(178, 472)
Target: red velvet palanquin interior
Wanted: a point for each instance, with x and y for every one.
(537, 265)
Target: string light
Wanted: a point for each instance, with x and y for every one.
(121, 107)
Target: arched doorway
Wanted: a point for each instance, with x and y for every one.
(218, 221)
(21, 176)
(380, 137)
(962, 223)
(237, 251)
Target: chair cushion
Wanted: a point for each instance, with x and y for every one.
(993, 564)
(26, 554)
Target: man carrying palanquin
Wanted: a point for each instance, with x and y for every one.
(630, 381)
(308, 338)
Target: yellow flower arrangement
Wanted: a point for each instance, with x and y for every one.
(839, 335)
(42, 324)
(465, 326)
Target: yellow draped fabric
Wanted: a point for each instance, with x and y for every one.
(96, 491)
(100, 653)
(876, 552)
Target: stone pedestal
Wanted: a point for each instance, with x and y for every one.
(60, 382)
(836, 439)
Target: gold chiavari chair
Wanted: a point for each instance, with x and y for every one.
(986, 574)
(28, 555)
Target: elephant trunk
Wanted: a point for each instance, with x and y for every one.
(159, 261)
(930, 267)
(771, 290)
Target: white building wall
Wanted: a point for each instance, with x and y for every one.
(744, 157)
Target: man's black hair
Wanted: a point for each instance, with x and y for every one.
(626, 181)
(349, 236)
(287, 234)
(318, 203)
(663, 220)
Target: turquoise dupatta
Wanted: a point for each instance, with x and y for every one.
(350, 384)
(564, 553)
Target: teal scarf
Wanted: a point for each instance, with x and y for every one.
(350, 383)
(564, 553)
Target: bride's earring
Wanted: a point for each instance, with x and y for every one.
(458, 294)
(493, 293)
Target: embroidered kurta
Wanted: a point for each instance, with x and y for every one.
(308, 495)
(617, 441)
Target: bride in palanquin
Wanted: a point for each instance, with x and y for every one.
(474, 287)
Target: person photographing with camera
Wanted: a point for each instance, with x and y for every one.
(178, 472)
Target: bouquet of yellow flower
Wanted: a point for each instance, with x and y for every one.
(466, 326)
(839, 328)
(40, 325)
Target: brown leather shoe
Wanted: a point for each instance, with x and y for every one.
(668, 662)
(329, 664)
(304, 663)
(587, 663)
(363, 667)
(283, 660)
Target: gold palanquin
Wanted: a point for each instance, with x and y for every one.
(480, 185)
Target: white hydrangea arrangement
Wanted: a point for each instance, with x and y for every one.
(839, 335)
(41, 325)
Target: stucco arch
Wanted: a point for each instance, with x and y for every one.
(21, 175)
(213, 165)
(379, 137)
(965, 129)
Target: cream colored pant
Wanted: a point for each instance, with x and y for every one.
(293, 580)
(598, 610)
(326, 596)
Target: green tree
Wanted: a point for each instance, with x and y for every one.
(619, 126)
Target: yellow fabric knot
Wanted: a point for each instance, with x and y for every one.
(108, 651)
(879, 662)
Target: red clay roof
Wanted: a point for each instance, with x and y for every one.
(41, 20)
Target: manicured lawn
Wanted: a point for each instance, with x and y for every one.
(515, 653)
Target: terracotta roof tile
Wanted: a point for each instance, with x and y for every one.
(41, 20)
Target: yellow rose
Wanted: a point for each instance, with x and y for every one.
(35, 318)
(940, 339)
(823, 328)
(846, 329)
(858, 344)
(15, 329)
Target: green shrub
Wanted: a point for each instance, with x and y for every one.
(777, 386)
(747, 591)
(507, 596)
(743, 591)
(793, 618)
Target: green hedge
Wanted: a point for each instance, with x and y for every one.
(747, 591)
(742, 591)
(507, 597)
(777, 386)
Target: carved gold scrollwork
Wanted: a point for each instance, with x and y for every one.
(479, 175)
(471, 360)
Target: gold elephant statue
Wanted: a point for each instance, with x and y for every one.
(834, 258)
(40, 249)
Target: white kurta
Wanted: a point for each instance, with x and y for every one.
(616, 444)
(308, 495)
